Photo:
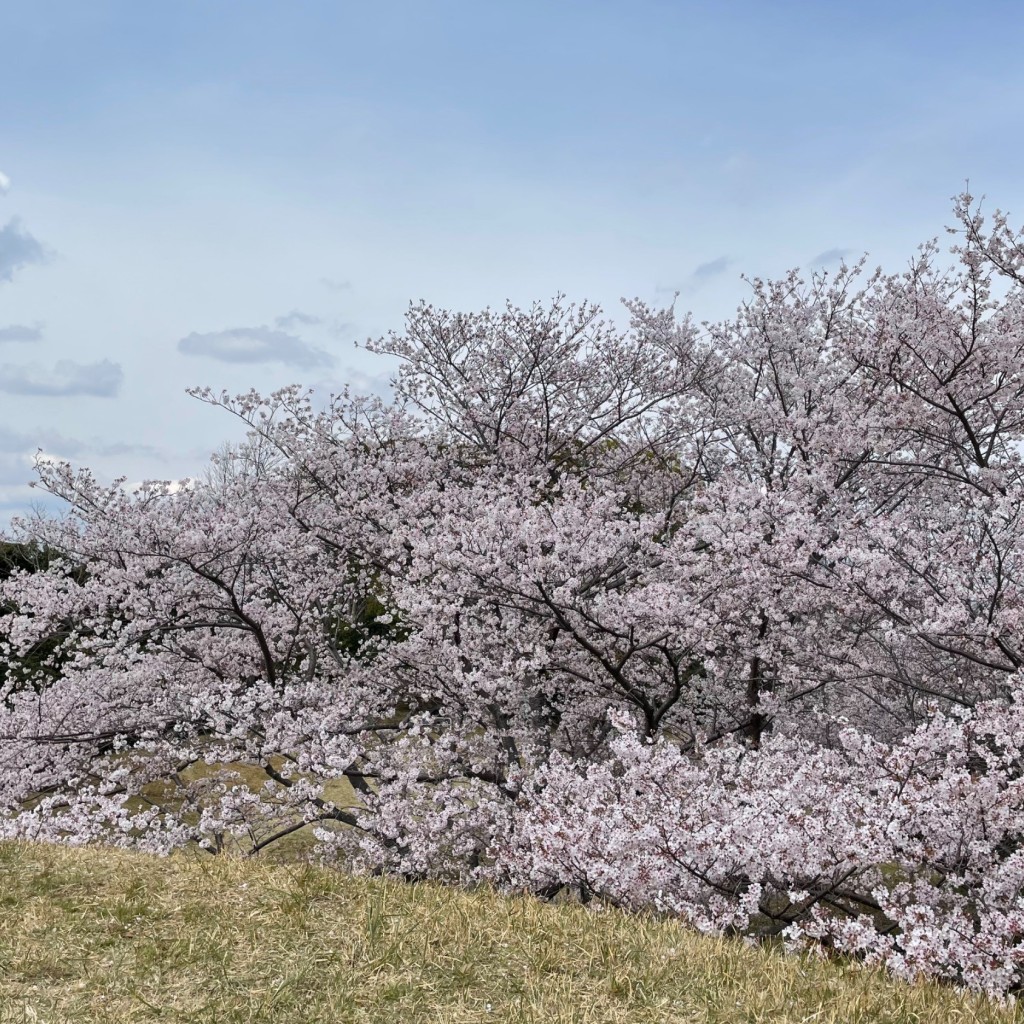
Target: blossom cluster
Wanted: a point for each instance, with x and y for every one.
(725, 620)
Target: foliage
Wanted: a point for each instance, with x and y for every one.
(42, 661)
(725, 621)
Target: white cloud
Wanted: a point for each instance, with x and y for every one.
(21, 332)
(102, 379)
(829, 256)
(18, 248)
(295, 318)
(5, 184)
(254, 345)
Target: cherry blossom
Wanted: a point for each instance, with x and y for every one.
(722, 619)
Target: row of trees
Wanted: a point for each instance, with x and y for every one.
(724, 619)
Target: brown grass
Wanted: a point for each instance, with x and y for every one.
(103, 935)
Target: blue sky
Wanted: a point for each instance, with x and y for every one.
(234, 193)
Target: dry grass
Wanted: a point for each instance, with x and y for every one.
(103, 935)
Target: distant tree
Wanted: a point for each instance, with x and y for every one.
(26, 557)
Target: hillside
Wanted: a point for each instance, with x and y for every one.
(103, 935)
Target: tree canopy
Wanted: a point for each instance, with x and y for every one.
(724, 619)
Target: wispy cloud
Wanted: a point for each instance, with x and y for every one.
(5, 184)
(254, 345)
(12, 441)
(712, 268)
(357, 381)
(21, 332)
(335, 286)
(15, 470)
(18, 249)
(19, 441)
(341, 329)
(296, 318)
(52, 442)
(126, 448)
(823, 259)
(102, 379)
(697, 278)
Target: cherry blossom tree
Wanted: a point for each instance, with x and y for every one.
(722, 619)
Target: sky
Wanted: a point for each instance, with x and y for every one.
(235, 194)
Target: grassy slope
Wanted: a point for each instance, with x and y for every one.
(103, 935)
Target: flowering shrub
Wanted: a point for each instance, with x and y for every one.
(723, 620)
